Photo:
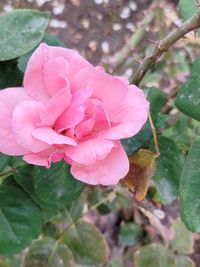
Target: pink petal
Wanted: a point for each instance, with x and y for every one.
(9, 98)
(96, 108)
(37, 159)
(128, 118)
(55, 73)
(34, 81)
(33, 78)
(84, 128)
(88, 152)
(55, 157)
(105, 172)
(26, 115)
(55, 107)
(107, 88)
(73, 59)
(123, 79)
(49, 136)
(75, 113)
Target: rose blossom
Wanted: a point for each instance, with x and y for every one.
(68, 109)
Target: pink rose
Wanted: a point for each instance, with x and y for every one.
(70, 110)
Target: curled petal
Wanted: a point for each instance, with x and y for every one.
(128, 118)
(105, 172)
(84, 128)
(9, 98)
(49, 136)
(90, 151)
(55, 107)
(33, 78)
(55, 74)
(37, 159)
(39, 67)
(26, 115)
(75, 113)
(109, 89)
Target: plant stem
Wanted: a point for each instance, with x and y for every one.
(153, 129)
(163, 45)
(75, 221)
(11, 171)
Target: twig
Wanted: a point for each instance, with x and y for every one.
(153, 129)
(76, 220)
(162, 46)
(11, 171)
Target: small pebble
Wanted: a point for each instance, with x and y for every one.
(105, 47)
(58, 9)
(85, 23)
(93, 45)
(130, 26)
(100, 2)
(41, 2)
(125, 13)
(133, 6)
(54, 23)
(116, 26)
(78, 36)
(99, 16)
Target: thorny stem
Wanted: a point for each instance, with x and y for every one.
(162, 46)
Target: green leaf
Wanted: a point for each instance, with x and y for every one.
(48, 39)
(130, 234)
(56, 185)
(21, 30)
(17, 162)
(25, 179)
(187, 8)
(188, 98)
(61, 189)
(87, 244)
(154, 255)
(189, 188)
(52, 40)
(48, 253)
(3, 161)
(20, 220)
(10, 76)
(184, 261)
(157, 99)
(181, 132)
(183, 240)
(71, 212)
(132, 144)
(168, 170)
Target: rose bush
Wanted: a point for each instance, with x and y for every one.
(67, 109)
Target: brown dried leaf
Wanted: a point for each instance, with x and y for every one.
(142, 169)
